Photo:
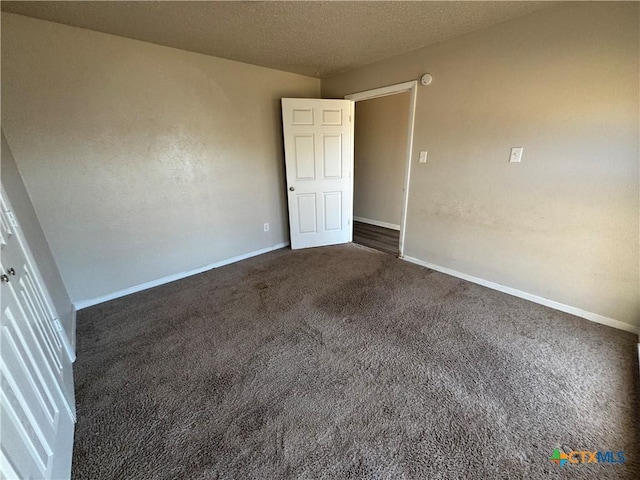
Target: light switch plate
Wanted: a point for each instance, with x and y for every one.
(516, 155)
(423, 157)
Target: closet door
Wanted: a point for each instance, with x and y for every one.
(37, 411)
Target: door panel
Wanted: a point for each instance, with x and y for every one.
(302, 116)
(318, 138)
(305, 157)
(307, 213)
(332, 156)
(333, 210)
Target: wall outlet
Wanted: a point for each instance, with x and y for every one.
(423, 157)
(266, 227)
(516, 155)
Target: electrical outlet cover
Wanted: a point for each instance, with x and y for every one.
(516, 155)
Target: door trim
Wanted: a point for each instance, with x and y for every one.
(412, 88)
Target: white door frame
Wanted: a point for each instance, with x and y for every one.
(412, 88)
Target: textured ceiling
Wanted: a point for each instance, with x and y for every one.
(311, 38)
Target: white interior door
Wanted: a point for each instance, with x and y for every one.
(37, 408)
(318, 147)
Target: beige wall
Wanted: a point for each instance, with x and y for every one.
(563, 83)
(142, 161)
(381, 129)
(30, 225)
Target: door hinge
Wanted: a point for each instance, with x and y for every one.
(349, 118)
(57, 325)
(12, 219)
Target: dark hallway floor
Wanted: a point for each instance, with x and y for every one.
(383, 239)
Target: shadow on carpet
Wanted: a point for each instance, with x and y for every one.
(341, 362)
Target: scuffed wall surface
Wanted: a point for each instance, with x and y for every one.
(563, 224)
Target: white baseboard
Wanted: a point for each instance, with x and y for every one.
(172, 278)
(594, 317)
(391, 226)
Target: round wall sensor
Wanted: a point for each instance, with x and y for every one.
(426, 79)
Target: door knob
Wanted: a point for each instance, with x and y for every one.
(11, 271)
(4, 278)
(292, 188)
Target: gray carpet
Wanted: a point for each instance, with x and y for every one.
(343, 362)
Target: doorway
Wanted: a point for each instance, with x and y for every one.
(383, 137)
